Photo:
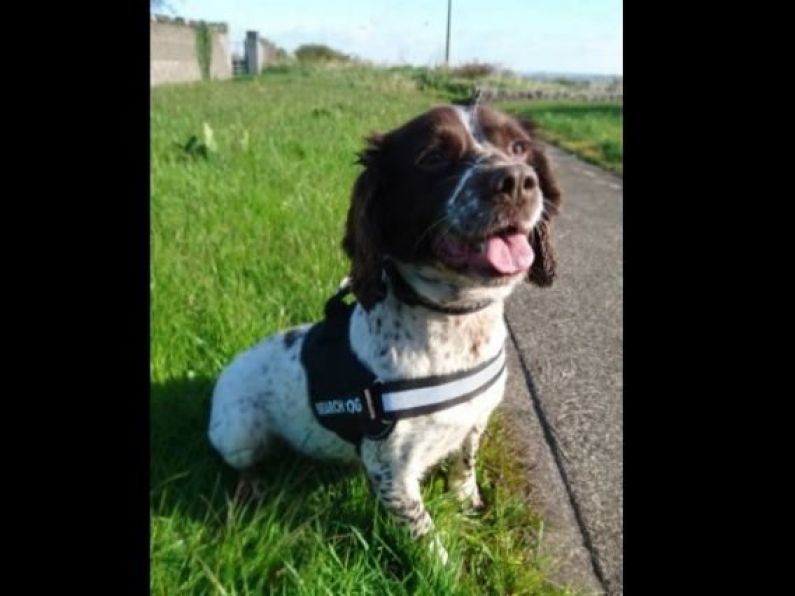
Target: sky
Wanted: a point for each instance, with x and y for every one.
(528, 36)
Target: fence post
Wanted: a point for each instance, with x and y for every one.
(252, 54)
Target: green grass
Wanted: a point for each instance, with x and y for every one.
(245, 241)
(590, 130)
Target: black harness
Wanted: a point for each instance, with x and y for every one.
(348, 399)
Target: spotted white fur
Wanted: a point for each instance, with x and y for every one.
(461, 182)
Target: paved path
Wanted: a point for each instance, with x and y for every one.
(566, 384)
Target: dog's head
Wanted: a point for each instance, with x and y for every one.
(461, 200)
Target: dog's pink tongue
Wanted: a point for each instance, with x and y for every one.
(509, 254)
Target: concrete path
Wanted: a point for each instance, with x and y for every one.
(565, 392)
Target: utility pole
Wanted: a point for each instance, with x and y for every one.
(447, 47)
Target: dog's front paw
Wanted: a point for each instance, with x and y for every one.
(249, 488)
(472, 500)
(437, 549)
(468, 495)
(475, 501)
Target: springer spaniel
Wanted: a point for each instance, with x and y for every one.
(451, 212)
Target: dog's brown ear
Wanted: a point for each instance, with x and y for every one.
(362, 241)
(542, 272)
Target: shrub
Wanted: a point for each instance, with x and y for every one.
(319, 53)
(204, 49)
(438, 79)
(474, 70)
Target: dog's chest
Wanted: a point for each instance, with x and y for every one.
(432, 437)
(397, 344)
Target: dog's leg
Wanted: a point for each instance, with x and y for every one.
(399, 492)
(461, 478)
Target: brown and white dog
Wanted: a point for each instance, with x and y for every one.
(459, 201)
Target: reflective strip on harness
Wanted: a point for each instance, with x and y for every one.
(442, 394)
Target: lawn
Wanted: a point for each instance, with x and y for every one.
(590, 130)
(246, 221)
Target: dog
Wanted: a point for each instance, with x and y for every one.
(450, 213)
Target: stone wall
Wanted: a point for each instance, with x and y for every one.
(173, 57)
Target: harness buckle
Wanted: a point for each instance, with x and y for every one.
(371, 395)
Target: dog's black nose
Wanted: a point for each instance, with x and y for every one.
(516, 181)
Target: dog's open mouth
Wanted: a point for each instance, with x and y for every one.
(503, 252)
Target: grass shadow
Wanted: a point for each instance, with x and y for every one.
(188, 476)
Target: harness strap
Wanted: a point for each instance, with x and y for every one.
(415, 397)
(348, 399)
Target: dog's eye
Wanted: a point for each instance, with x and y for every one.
(519, 147)
(432, 158)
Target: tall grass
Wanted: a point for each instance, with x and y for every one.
(590, 130)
